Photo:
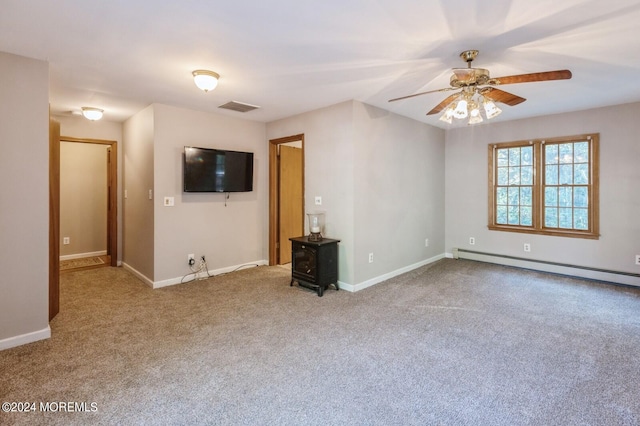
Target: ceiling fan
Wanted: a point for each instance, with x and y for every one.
(477, 89)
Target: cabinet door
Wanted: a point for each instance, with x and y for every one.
(304, 262)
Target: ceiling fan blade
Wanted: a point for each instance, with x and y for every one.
(446, 89)
(536, 76)
(498, 95)
(442, 105)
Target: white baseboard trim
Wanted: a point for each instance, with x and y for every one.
(138, 274)
(617, 277)
(81, 255)
(373, 281)
(23, 339)
(191, 276)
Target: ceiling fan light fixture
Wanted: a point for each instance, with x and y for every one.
(205, 80)
(92, 114)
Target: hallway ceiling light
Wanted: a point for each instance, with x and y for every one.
(92, 114)
(206, 80)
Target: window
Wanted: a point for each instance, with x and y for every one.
(545, 187)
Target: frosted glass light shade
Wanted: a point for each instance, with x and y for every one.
(461, 109)
(205, 80)
(92, 114)
(447, 115)
(491, 109)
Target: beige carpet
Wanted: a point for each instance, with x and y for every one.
(452, 343)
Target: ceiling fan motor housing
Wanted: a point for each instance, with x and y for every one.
(463, 77)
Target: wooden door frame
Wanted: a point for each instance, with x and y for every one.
(112, 216)
(273, 192)
(54, 218)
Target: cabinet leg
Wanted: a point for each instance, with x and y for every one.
(320, 291)
(291, 283)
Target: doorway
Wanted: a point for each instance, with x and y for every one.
(286, 196)
(107, 152)
(88, 207)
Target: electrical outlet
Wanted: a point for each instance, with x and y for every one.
(472, 241)
(370, 257)
(527, 247)
(637, 259)
(67, 240)
(191, 259)
(426, 242)
(169, 201)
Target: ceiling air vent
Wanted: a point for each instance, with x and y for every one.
(238, 106)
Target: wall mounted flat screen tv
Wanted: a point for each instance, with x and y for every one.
(215, 170)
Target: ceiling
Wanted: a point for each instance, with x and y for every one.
(290, 57)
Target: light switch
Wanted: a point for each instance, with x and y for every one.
(318, 200)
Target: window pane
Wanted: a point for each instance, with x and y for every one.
(501, 215)
(514, 175)
(501, 196)
(514, 156)
(503, 157)
(566, 153)
(551, 154)
(526, 175)
(526, 198)
(503, 176)
(580, 196)
(514, 196)
(565, 218)
(581, 152)
(551, 175)
(566, 174)
(514, 215)
(551, 217)
(527, 156)
(551, 196)
(526, 217)
(565, 198)
(581, 174)
(581, 219)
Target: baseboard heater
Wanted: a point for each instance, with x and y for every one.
(600, 274)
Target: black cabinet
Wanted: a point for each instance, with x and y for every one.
(314, 264)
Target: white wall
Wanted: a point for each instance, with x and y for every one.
(138, 213)
(466, 188)
(228, 232)
(399, 192)
(24, 200)
(329, 172)
(380, 176)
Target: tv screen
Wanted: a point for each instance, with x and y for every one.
(215, 170)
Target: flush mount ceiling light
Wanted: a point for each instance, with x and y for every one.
(206, 80)
(92, 114)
